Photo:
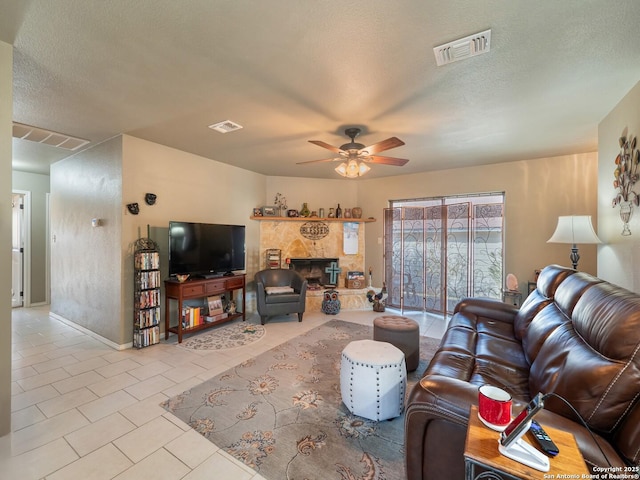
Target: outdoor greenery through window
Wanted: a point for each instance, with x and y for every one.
(440, 250)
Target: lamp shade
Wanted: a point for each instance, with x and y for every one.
(574, 229)
(352, 169)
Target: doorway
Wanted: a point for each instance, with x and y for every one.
(17, 250)
(20, 248)
(440, 250)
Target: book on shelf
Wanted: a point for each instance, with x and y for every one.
(192, 317)
(215, 318)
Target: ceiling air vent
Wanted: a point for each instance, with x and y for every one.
(225, 127)
(47, 137)
(463, 48)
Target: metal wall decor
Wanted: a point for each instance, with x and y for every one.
(625, 176)
(314, 230)
(150, 198)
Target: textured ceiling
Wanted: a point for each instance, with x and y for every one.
(292, 71)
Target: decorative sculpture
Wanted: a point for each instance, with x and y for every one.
(379, 300)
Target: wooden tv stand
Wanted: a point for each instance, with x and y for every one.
(201, 288)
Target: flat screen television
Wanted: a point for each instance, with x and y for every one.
(205, 249)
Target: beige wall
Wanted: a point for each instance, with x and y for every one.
(99, 183)
(189, 188)
(537, 192)
(316, 192)
(92, 271)
(6, 115)
(619, 257)
(38, 186)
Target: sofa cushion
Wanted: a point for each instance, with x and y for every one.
(471, 351)
(282, 298)
(593, 361)
(540, 316)
(548, 281)
(278, 290)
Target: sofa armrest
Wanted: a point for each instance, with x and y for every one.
(437, 408)
(487, 307)
(299, 284)
(261, 295)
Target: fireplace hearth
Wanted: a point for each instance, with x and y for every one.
(313, 270)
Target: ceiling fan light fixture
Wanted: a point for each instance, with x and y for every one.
(363, 168)
(352, 169)
(354, 157)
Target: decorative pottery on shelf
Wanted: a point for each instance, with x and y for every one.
(304, 211)
(625, 176)
(356, 212)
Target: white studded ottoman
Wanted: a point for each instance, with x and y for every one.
(373, 379)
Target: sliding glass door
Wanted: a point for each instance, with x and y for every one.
(440, 250)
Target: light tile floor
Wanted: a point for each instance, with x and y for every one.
(82, 410)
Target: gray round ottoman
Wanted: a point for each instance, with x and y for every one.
(403, 333)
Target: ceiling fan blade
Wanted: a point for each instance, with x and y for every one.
(322, 144)
(392, 142)
(386, 160)
(319, 161)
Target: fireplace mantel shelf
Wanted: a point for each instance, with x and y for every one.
(313, 219)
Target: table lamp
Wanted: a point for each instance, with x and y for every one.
(574, 229)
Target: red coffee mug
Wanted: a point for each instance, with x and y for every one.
(494, 405)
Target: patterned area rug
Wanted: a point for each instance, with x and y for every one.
(281, 413)
(226, 336)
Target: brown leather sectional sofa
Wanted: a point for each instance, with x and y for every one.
(575, 335)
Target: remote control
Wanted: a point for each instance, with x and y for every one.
(543, 439)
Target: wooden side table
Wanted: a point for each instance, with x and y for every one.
(481, 450)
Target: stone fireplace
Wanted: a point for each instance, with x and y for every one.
(287, 237)
(314, 270)
(314, 255)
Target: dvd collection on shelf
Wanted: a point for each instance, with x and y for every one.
(147, 336)
(146, 316)
(149, 298)
(147, 261)
(149, 279)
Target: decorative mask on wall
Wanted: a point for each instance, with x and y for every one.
(134, 208)
(150, 198)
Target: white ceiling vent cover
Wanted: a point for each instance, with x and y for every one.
(225, 127)
(47, 137)
(463, 48)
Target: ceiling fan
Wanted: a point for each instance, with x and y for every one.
(355, 156)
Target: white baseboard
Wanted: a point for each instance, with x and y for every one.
(38, 304)
(92, 334)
